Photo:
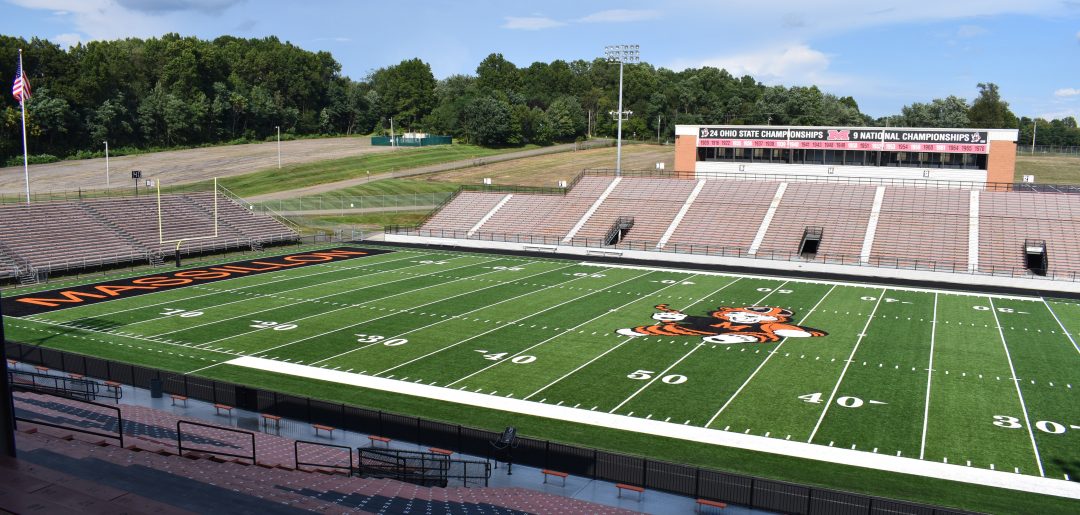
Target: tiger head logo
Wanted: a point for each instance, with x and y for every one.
(726, 325)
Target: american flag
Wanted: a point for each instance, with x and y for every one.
(21, 88)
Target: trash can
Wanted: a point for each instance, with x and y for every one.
(155, 388)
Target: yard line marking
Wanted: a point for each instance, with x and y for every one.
(771, 353)
(372, 300)
(336, 269)
(862, 334)
(696, 347)
(929, 374)
(1062, 326)
(508, 323)
(460, 316)
(255, 296)
(131, 336)
(574, 371)
(502, 283)
(1016, 383)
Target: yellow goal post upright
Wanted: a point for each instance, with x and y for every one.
(180, 241)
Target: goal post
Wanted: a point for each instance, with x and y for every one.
(180, 241)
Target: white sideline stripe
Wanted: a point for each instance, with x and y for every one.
(662, 429)
(592, 209)
(1061, 325)
(929, 375)
(1016, 383)
(765, 222)
(490, 214)
(812, 281)
(847, 363)
(973, 231)
(871, 227)
(679, 216)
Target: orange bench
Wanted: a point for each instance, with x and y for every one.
(12, 362)
(320, 427)
(73, 375)
(705, 502)
(176, 397)
(41, 368)
(268, 418)
(555, 473)
(623, 486)
(382, 439)
(436, 450)
(227, 408)
(113, 385)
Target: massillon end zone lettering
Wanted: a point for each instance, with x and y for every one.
(43, 302)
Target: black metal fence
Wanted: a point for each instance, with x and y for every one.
(596, 464)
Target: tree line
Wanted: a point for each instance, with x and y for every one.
(177, 91)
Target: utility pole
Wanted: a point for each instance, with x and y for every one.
(106, 166)
(1035, 132)
(278, 127)
(392, 143)
(658, 129)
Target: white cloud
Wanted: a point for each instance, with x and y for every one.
(970, 31)
(166, 6)
(1067, 92)
(112, 19)
(67, 40)
(530, 23)
(620, 16)
(787, 64)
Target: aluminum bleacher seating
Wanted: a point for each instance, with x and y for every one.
(918, 226)
(66, 235)
(463, 212)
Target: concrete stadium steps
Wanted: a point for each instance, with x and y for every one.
(150, 475)
(725, 214)
(1006, 219)
(652, 203)
(843, 210)
(923, 228)
(523, 214)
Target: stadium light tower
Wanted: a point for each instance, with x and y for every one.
(107, 188)
(623, 54)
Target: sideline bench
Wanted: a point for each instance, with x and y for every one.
(228, 409)
(623, 486)
(555, 473)
(73, 375)
(113, 385)
(320, 427)
(41, 368)
(178, 397)
(705, 502)
(382, 439)
(268, 418)
(443, 452)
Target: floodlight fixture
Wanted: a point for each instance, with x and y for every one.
(622, 54)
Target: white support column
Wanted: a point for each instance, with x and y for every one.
(490, 214)
(679, 216)
(973, 232)
(768, 218)
(871, 227)
(596, 205)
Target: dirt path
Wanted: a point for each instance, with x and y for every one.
(181, 166)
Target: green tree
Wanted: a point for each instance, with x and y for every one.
(567, 119)
(989, 111)
(487, 121)
(406, 91)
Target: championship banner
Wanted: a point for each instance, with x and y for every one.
(46, 301)
(847, 138)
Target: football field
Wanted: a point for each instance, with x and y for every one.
(975, 381)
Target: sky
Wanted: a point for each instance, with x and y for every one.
(884, 53)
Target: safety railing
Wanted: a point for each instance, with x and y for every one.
(349, 469)
(215, 450)
(84, 429)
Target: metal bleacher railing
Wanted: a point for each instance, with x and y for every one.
(679, 479)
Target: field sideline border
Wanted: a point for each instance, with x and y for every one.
(931, 469)
(921, 285)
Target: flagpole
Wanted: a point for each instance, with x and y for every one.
(22, 104)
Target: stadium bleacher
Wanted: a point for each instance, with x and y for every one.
(65, 235)
(925, 226)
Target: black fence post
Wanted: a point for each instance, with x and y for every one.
(697, 483)
(595, 462)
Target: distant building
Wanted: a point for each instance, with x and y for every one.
(970, 155)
